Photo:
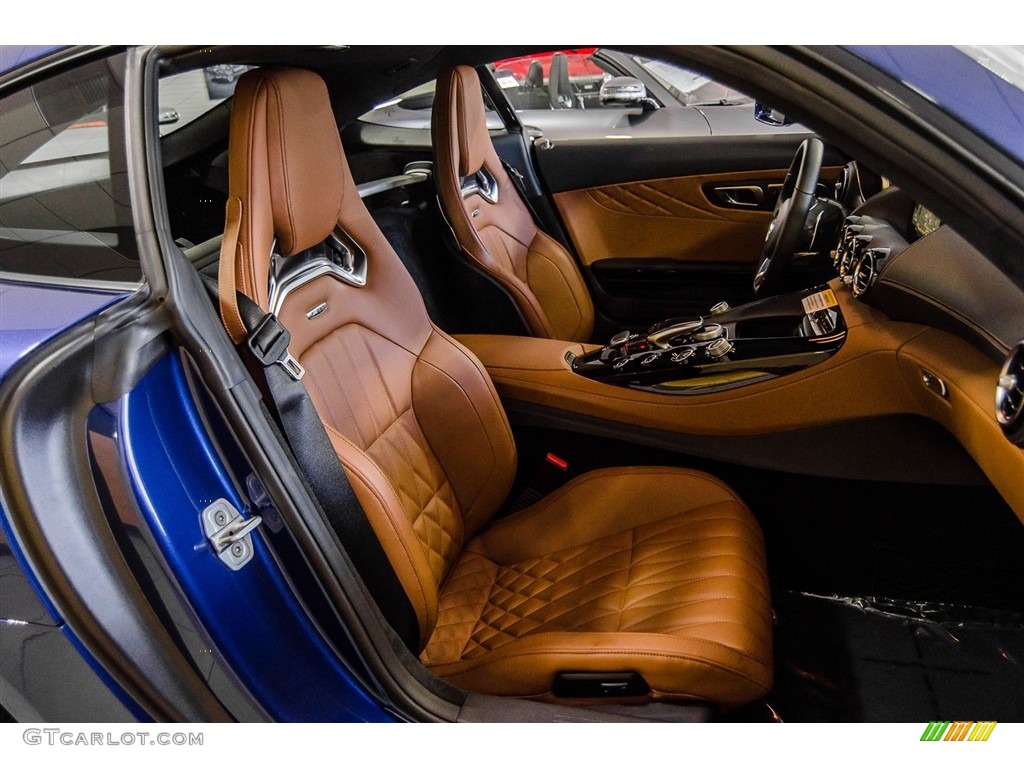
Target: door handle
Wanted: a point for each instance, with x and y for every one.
(743, 196)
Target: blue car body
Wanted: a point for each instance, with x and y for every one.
(274, 641)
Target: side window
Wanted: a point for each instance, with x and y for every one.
(64, 207)
(690, 88)
(193, 116)
(187, 96)
(558, 80)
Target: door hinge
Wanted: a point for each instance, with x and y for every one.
(229, 533)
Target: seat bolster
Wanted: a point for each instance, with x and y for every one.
(461, 418)
(675, 667)
(554, 279)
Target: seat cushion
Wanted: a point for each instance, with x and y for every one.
(660, 571)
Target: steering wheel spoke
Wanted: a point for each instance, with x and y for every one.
(786, 231)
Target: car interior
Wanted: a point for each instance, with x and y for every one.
(684, 430)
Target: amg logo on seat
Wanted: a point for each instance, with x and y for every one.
(317, 310)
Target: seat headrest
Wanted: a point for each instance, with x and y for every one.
(466, 102)
(287, 178)
(285, 146)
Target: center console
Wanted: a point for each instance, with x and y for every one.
(728, 348)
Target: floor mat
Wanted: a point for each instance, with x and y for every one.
(874, 660)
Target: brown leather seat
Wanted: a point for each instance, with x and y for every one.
(497, 232)
(655, 570)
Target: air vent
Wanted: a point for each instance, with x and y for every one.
(858, 246)
(851, 228)
(866, 272)
(1010, 395)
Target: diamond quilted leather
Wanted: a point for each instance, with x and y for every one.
(681, 576)
(649, 198)
(679, 596)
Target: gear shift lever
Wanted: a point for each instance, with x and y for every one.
(661, 335)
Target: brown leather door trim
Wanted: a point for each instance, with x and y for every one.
(671, 218)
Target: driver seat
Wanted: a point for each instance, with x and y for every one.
(491, 222)
(656, 572)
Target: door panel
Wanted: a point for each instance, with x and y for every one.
(668, 227)
(580, 164)
(665, 219)
(661, 248)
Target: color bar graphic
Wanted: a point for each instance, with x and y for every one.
(959, 730)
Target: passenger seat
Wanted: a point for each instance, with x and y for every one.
(638, 582)
(492, 224)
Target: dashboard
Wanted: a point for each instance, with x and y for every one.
(896, 255)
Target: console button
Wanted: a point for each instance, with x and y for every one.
(619, 339)
(709, 332)
(682, 355)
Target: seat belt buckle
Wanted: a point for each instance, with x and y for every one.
(269, 344)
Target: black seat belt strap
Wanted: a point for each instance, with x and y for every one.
(267, 342)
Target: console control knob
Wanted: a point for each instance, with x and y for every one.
(650, 358)
(709, 332)
(720, 307)
(719, 348)
(682, 355)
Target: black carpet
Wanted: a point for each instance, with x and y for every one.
(865, 660)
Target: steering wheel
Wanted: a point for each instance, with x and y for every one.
(789, 217)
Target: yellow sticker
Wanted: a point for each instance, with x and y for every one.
(819, 301)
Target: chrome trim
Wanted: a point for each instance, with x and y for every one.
(710, 332)
(414, 173)
(663, 336)
(104, 286)
(863, 274)
(619, 338)
(682, 355)
(229, 534)
(272, 279)
(287, 275)
(728, 195)
(720, 347)
(292, 366)
(866, 270)
(1010, 391)
(934, 383)
(481, 183)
